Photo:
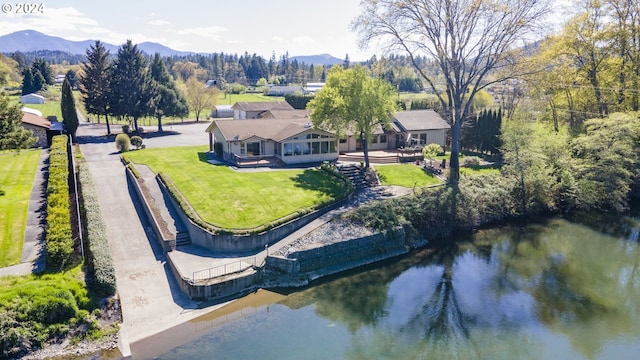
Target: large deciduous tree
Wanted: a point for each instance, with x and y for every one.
(468, 39)
(353, 100)
(12, 134)
(200, 97)
(131, 89)
(68, 109)
(168, 99)
(94, 82)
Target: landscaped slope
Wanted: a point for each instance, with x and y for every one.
(239, 199)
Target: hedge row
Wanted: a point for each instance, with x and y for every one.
(59, 241)
(100, 262)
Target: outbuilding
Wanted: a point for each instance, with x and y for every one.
(32, 98)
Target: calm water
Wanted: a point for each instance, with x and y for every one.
(552, 290)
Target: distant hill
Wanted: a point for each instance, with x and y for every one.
(31, 40)
(322, 59)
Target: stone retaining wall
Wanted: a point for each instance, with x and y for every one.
(340, 256)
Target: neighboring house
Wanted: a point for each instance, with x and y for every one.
(253, 110)
(415, 128)
(288, 141)
(39, 126)
(277, 90)
(32, 99)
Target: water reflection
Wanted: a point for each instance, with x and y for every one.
(554, 289)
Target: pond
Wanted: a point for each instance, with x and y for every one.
(565, 289)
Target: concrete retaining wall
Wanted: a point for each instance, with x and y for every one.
(165, 243)
(233, 286)
(251, 242)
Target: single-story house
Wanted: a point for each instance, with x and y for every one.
(287, 141)
(39, 126)
(253, 110)
(32, 98)
(414, 128)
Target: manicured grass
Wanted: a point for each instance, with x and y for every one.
(407, 175)
(234, 199)
(17, 171)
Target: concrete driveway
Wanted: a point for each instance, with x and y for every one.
(150, 297)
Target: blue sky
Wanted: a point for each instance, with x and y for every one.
(303, 27)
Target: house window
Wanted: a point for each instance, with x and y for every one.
(383, 139)
(324, 147)
(332, 146)
(423, 139)
(315, 147)
(288, 149)
(243, 150)
(306, 148)
(375, 139)
(253, 148)
(343, 141)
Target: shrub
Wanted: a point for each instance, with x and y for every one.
(1, 192)
(136, 141)
(431, 151)
(470, 161)
(123, 142)
(236, 88)
(58, 238)
(100, 264)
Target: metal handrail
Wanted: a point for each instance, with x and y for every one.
(221, 270)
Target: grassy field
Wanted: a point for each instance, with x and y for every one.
(479, 170)
(17, 171)
(239, 200)
(407, 175)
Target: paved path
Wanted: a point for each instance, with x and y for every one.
(150, 297)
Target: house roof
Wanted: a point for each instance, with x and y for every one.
(286, 114)
(262, 106)
(32, 95)
(35, 120)
(416, 120)
(275, 129)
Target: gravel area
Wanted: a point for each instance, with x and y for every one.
(338, 230)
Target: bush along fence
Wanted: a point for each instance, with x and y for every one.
(58, 239)
(99, 261)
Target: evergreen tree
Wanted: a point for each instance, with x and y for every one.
(131, 89)
(27, 82)
(68, 109)
(12, 134)
(41, 66)
(94, 82)
(72, 77)
(168, 99)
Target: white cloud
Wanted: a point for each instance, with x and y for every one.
(159, 22)
(211, 32)
(303, 40)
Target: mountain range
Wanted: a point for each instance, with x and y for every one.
(31, 40)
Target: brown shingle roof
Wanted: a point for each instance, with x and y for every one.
(35, 120)
(274, 129)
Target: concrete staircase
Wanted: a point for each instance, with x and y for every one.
(359, 178)
(183, 238)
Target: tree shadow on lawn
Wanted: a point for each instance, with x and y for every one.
(317, 180)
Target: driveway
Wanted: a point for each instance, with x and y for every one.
(150, 297)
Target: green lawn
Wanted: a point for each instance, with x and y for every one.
(407, 175)
(17, 171)
(239, 200)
